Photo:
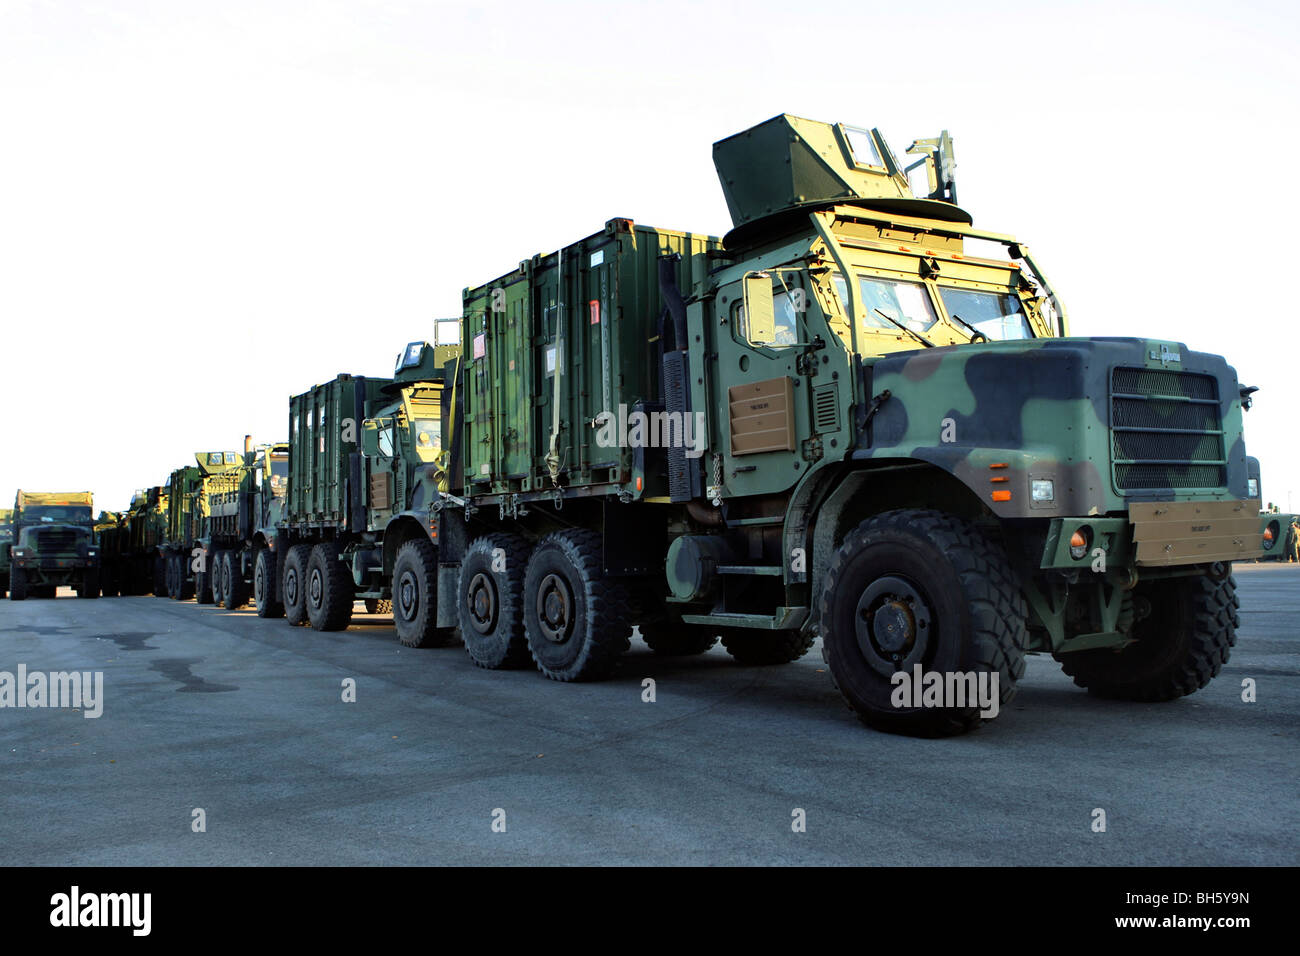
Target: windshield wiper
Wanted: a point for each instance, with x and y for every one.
(973, 331)
(916, 335)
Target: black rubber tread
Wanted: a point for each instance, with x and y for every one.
(295, 563)
(159, 576)
(203, 592)
(754, 647)
(333, 610)
(17, 584)
(416, 625)
(89, 584)
(1181, 646)
(379, 606)
(506, 646)
(992, 613)
(603, 609)
(268, 601)
(675, 639)
(217, 577)
(238, 591)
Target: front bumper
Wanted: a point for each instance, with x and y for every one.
(1165, 534)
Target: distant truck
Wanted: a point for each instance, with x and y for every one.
(128, 541)
(187, 569)
(53, 544)
(366, 463)
(238, 533)
(6, 536)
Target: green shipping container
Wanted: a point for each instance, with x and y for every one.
(326, 483)
(556, 345)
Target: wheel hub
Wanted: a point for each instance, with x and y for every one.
(554, 608)
(408, 597)
(482, 601)
(315, 588)
(893, 624)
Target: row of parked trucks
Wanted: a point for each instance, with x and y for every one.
(854, 417)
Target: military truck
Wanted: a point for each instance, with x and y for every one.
(240, 529)
(53, 544)
(855, 416)
(129, 546)
(111, 537)
(186, 563)
(366, 461)
(6, 537)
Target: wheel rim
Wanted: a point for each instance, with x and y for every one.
(893, 625)
(481, 602)
(259, 584)
(408, 596)
(315, 587)
(555, 608)
(291, 586)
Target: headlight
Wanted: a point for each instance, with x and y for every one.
(1042, 489)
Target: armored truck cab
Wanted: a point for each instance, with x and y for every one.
(53, 544)
(856, 417)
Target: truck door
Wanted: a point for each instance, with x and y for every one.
(760, 400)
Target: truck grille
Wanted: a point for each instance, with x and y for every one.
(1165, 430)
(57, 540)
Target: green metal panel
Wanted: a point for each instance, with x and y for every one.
(325, 426)
(589, 314)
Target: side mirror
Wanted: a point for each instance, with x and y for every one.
(760, 314)
(370, 438)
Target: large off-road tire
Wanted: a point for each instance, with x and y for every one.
(294, 588)
(217, 575)
(159, 576)
(204, 592)
(750, 646)
(89, 584)
(909, 588)
(490, 601)
(1180, 646)
(173, 578)
(330, 593)
(237, 590)
(17, 584)
(266, 591)
(379, 606)
(675, 639)
(415, 595)
(577, 621)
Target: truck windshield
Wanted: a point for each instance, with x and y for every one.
(279, 466)
(997, 314)
(56, 513)
(905, 302)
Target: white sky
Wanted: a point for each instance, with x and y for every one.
(206, 207)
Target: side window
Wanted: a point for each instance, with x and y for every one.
(786, 321)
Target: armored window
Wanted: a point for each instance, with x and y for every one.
(996, 314)
(863, 146)
(906, 303)
(786, 322)
(232, 458)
